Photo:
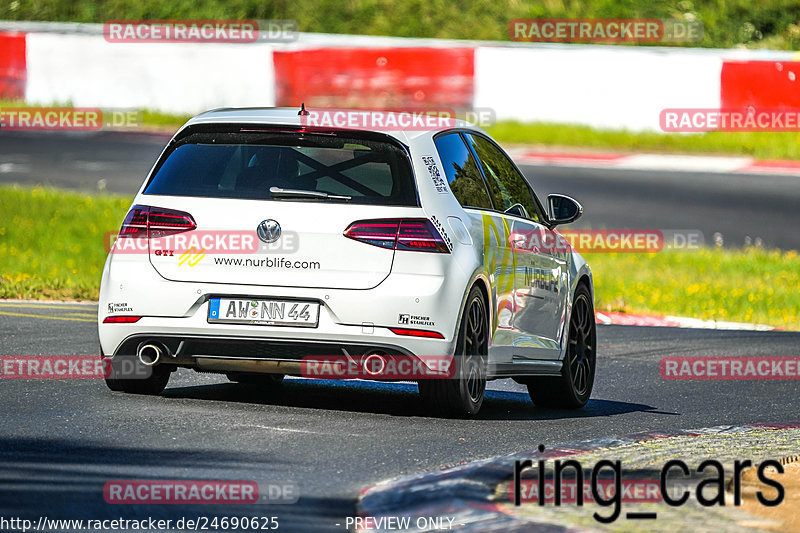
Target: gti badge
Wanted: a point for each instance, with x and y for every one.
(269, 230)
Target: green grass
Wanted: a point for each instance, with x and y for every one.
(760, 145)
(749, 285)
(156, 120)
(51, 242)
(149, 119)
(52, 247)
(728, 23)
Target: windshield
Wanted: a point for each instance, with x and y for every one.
(247, 165)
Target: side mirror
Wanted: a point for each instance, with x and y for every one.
(563, 209)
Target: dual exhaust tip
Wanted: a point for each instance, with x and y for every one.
(373, 364)
(150, 353)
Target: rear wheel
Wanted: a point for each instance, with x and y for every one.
(463, 394)
(114, 384)
(572, 389)
(141, 379)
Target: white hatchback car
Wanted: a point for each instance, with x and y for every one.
(258, 240)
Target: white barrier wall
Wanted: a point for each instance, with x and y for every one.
(87, 71)
(600, 86)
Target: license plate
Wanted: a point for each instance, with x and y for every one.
(263, 312)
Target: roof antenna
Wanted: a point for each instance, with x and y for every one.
(303, 111)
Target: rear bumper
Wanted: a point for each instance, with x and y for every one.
(350, 320)
(189, 338)
(249, 354)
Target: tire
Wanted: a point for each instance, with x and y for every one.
(114, 384)
(462, 395)
(572, 389)
(255, 379)
(154, 384)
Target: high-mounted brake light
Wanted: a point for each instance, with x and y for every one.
(146, 221)
(412, 234)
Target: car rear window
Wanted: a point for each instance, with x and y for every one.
(246, 164)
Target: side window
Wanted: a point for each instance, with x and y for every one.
(462, 172)
(506, 185)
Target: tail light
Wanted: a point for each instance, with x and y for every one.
(152, 222)
(413, 234)
(135, 223)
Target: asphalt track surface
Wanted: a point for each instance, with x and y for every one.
(62, 440)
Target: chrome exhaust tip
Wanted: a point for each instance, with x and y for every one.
(373, 364)
(149, 354)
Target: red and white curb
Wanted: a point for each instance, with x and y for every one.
(671, 162)
(466, 493)
(629, 319)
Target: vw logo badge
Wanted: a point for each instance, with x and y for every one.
(269, 230)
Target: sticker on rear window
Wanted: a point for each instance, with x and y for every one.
(436, 177)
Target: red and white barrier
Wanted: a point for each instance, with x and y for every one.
(369, 77)
(86, 70)
(13, 72)
(600, 86)
(596, 85)
(761, 84)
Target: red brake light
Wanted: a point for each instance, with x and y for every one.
(135, 223)
(419, 234)
(120, 319)
(417, 333)
(146, 221)
(412, 234)
(381, 233)
(168, 221)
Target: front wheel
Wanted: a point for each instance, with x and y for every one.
(571, 390)
(462, 395)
